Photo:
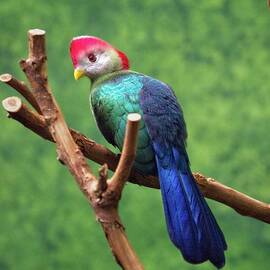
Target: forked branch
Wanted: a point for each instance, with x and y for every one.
(212, 189)
(103, 198)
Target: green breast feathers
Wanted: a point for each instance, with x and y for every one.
(112, 99)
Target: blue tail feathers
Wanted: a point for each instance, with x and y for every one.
(190, 222)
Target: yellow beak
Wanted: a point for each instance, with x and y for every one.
(78, 73)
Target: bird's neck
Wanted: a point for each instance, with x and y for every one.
(107, 77)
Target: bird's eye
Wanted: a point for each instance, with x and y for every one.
(92, 58)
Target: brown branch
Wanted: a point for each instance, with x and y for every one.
(211, 189)
(128, 154)
(20, 87)
(111, 196)
(241, 203)
(30, 119)
(102, 180)
(92, 150)
(104, 202)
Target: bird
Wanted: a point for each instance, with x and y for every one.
(117, 91)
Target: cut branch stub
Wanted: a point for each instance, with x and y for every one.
(128, 153)
(102, 180)
(12, 104)
(29, 119)
(35, 68)
(36, 44)
(116, 184)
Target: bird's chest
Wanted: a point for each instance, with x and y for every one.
(111, 103)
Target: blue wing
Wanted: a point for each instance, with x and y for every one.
(191, 225)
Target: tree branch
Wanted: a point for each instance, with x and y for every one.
(52, 126)
(241, 203)
(20, 87)
(123, 169)
(112, 194)
(92, 150)
(210, 188)
(30, 119)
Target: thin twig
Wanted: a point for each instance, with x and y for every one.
(102, 180)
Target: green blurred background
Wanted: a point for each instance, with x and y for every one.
(214, 53)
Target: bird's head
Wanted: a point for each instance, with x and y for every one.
(94, 57)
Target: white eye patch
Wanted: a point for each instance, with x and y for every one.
(105, 62)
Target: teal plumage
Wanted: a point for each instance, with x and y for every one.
(112, 98)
